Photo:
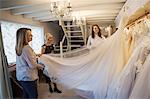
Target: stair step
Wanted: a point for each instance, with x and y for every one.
(72, 26)
(73, 31)
(62, 49)
(75, 36)
(59, 46)
(75, 45)
(76, 41)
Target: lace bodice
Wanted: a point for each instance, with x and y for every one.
(142, 57)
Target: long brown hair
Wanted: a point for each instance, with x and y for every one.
(21, 40)
(99, 33)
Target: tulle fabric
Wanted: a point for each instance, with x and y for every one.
(108, 71)
(92, 72)
(121, 87)
(141, 89)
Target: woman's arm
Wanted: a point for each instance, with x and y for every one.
(43, 49)
(30, 58)
(89, 42)
(103, 37)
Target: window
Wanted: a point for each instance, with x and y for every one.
(9, 38)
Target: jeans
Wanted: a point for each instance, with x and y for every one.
(29, 89)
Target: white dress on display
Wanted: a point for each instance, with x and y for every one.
(141, 89)
(121, 87)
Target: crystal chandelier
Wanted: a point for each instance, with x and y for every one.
(61, 8)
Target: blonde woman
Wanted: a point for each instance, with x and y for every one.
(26, 64)
(47, 48)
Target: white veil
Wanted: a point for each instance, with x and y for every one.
(93, 71)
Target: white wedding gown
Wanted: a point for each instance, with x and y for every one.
(141, 89)
(108, 71)
(121, 87)
(92, 72)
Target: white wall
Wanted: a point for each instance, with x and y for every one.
(55, 29)
(104, 25)
(129, 8)
(48, 28)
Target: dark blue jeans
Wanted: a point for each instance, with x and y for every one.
(29, 89)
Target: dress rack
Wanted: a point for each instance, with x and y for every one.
(139, 19)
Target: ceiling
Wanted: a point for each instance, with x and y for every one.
(144, 10)
(103, 11)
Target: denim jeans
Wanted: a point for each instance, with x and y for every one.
(29, 89)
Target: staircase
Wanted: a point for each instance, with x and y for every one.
(74, 36)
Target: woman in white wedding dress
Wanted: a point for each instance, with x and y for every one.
(92, 72)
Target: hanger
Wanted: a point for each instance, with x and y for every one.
(139, 19)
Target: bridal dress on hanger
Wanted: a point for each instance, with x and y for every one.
(121, 87)
(92, 72)
(141, 89)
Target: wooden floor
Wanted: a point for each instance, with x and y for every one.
(44, 93)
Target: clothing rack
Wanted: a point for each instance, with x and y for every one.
(139, 19)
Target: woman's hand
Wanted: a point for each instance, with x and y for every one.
(39, 55)
(43, 49)
(41, 66)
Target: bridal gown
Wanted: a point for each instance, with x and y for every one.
(121, 87)
(92, 72)
(141, 89)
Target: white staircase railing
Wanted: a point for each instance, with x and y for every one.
(69, 35)
(61, 46)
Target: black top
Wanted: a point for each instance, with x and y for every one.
(48, 49)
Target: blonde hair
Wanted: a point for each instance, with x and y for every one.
(21, 40)
(47, 35)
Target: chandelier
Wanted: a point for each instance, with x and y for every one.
(61, 8)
